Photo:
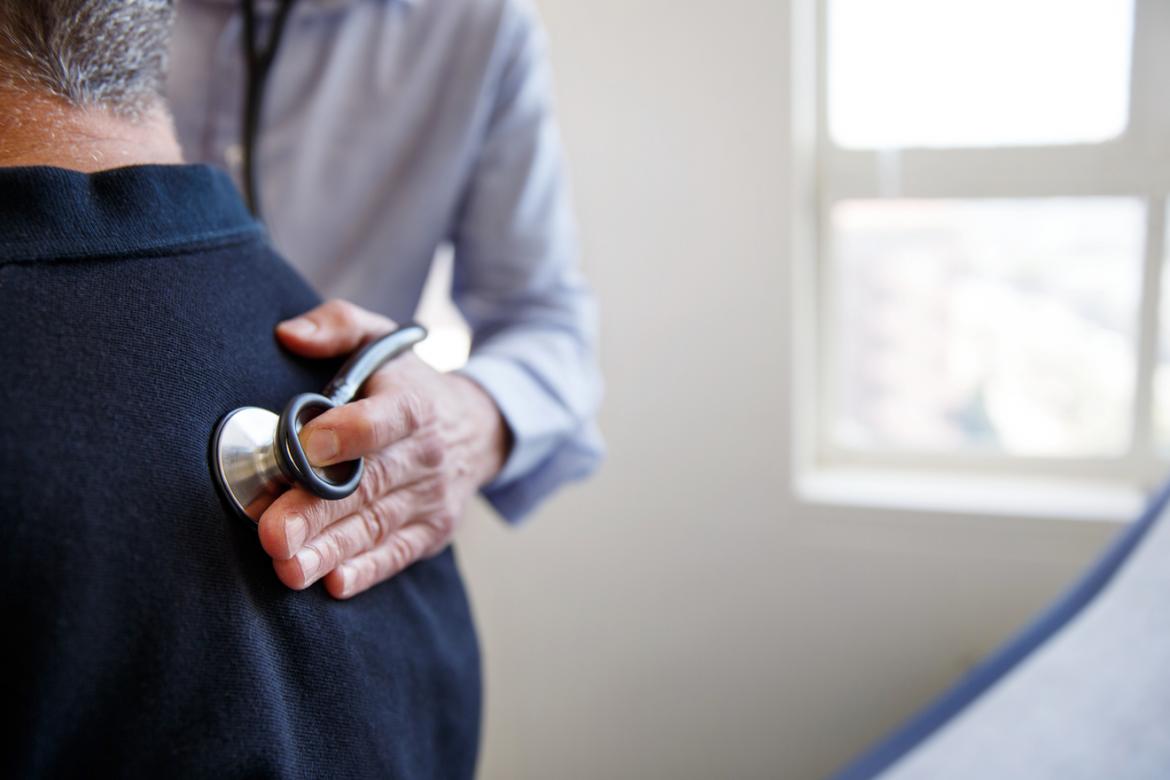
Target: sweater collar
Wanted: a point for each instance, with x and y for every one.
(54, 213)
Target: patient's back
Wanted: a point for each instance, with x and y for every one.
(146, 631)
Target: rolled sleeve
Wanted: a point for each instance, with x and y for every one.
(518, 284)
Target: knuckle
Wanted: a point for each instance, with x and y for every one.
(329, 314)
(449, 516)
(344, 312)
(378, 477)
(431, 451)
(433, 492)
(417, 411)
(444, 521)
(331, 548)
(365, 573)
(401, 553)
(384, 428)
(377, 524)
(427, 411)
(316, 515)
(449, 510)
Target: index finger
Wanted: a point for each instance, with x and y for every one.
(334, 328)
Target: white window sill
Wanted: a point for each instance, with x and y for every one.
(972, 494)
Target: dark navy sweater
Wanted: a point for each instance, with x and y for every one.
(145, 632)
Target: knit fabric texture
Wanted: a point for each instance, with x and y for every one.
(147, 634)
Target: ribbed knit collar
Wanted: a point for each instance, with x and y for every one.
(51, 213)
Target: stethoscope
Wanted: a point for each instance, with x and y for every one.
(257, 454)
(259, 63)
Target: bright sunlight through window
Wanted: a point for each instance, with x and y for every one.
(955, 73)
(992, 296)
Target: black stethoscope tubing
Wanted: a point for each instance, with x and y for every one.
(341, 480)
(258, 60)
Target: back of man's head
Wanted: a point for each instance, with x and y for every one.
(104, 54)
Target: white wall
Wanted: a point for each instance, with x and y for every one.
(682, 616)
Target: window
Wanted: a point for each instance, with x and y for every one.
(948, 73)
(992, 200)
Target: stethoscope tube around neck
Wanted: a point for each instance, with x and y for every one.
(258, 61)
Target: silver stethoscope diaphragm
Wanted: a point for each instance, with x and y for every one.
(256, 455)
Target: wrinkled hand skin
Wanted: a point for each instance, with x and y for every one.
(429, 440)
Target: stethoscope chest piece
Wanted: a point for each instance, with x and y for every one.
(244, 460)
(256, 454)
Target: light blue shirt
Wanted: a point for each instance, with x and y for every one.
(389, 128)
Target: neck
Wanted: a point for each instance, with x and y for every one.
(44, 130)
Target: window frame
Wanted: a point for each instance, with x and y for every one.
(1138, 166)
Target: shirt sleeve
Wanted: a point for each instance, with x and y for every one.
(518, 284)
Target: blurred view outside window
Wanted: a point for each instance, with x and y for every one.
(993, 183)
(1004, 325)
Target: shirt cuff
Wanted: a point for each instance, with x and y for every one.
(548, 447)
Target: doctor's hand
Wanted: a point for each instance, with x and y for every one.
(429, 440)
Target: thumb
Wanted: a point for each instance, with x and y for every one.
(334, 328)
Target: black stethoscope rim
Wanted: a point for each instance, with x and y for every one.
(291, 457)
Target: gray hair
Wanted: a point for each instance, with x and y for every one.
(109, 54)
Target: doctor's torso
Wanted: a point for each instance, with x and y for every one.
(372, 118)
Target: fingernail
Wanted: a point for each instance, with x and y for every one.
(295, 531)
(309, 560)
(299, 327)
(346, 575)
(322, 447)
